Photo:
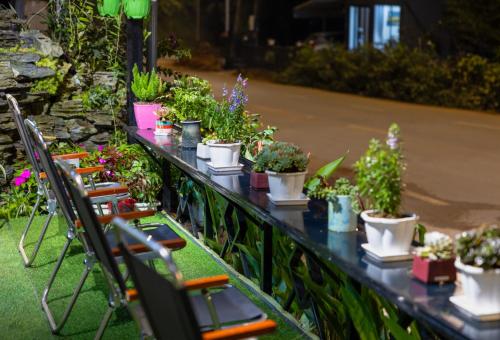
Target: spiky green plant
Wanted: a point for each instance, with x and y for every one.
(147, 86)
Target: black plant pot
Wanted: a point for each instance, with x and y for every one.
(191, 135)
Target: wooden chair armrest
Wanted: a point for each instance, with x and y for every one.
(79, 155)
(131, 295)
(242, 332)
(90, 170)
(206, 282)
(132, 215)
(107, 191)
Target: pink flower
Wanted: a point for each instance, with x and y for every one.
(18, 181)
(25, 174)
(102, 161)
(100, 148)
(37, 156)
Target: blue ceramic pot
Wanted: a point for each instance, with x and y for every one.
(341, 217)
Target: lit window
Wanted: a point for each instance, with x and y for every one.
(359, 26)
(386, 25)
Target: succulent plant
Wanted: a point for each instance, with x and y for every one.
(342, 187)
(437, 246)
(480, 248)
(281, 157)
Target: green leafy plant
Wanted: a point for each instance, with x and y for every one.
(51, 85)
(258, 140)
(281, 157)
(480, 248)
(100, 97)
(378, 174)
(147, 86)
(437, 246)
(324, 174)
(342, 187)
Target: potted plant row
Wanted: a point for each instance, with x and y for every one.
(434, 262)
(379, 178)
(286, 165)
(147, 88)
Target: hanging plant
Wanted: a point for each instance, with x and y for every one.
(136, 9)
(108, 7)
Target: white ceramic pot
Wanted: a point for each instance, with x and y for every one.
(203, 151)
(286, 186)
(389, 236)
(223, 155)
(481, 287)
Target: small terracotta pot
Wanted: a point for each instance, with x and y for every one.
(437, 271)
(259, 180)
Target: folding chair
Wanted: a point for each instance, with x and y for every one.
(103, 246)
(40, 176)
(168, 312)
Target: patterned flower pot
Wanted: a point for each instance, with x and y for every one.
(341, 217)
(434, 271)
(191, 134)
(163, 128)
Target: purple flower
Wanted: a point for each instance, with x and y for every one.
(25, 174)
(102, 161)
(37, 156)
(18, 181)
(100, 148)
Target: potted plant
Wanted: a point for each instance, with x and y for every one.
(164, 124)
(378, 176)
(258, 177)
(147, 87)
(434, 261)
(285, 164)
(203, 148)
(478, 263)
(108, 7)
(136, 9)
(229, 122)
(343, 204)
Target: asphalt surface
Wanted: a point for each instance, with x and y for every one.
(453, 156)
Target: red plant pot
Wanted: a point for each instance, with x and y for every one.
(438, 271)
(126, 205)
(259, 181)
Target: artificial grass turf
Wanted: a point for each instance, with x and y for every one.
(21, 288)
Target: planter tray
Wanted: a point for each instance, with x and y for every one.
(474, 311)
(386, 258)
(303, 200)
(225, 168)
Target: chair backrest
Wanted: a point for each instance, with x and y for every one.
(23, 133)
(74, 185)
(47, 164)
(165, 302)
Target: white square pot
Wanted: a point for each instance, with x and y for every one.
(481, 287)
(389, 236)
(286, 186)
(224, 155)
(203, 151)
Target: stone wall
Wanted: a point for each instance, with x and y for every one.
(59, 116)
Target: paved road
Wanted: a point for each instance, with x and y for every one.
(453, 156)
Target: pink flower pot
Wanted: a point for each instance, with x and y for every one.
(145, 115)
(434, 271)
(259, 181)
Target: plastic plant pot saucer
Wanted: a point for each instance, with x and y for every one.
(302, 200)
(386, 257)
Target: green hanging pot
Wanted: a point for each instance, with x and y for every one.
(108, 7)
(137, 9)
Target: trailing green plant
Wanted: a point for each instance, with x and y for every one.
(281, 157)
(379, 172)
(51, 85)
(147, 86)
(437, 246)
(92, 43)
(480, 248)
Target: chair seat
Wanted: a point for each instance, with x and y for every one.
(161, 233)
(108, 198)
(232, 307)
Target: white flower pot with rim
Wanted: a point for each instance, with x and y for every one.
(286, 186)
(389, 236)
(481, 287)
(224, 155)
(203, 151)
